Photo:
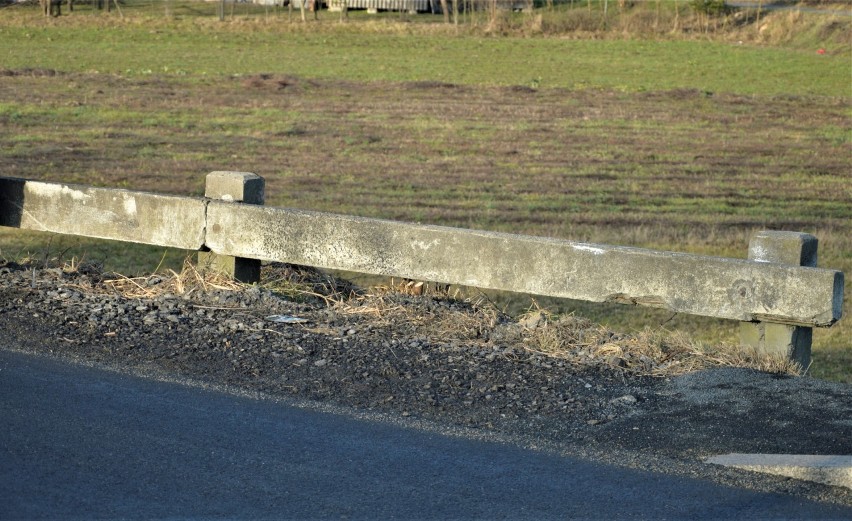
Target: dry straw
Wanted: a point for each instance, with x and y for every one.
(650, 352)
(472, 323)
(188, 280)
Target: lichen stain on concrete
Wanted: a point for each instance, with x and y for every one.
(425, 246)
(742, 290)
(129, 206)
(759, 254)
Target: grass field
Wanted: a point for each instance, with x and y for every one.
(685, 145)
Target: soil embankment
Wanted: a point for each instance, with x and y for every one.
(441, 370)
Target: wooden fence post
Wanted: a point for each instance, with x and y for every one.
(238, 187)
(793, 342)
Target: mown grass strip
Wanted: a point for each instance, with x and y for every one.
(631, 66)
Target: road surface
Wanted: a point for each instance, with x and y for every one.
(78, 442)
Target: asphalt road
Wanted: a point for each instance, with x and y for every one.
(83, 443)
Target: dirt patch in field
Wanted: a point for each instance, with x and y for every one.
(276, 82)
(514, 158)
(36, 72)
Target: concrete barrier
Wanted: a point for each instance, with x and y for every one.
(771, 289)
(237, 187)
(122, 215)
(710, 286)
(790, 341)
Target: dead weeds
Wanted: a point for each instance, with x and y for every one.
(186, 281)
(476, 322)
(435, 312)
(650, 352)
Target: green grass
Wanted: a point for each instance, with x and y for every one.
(125, 258)
(201, 52)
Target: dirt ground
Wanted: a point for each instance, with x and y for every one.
(454, 367)
(541, 161)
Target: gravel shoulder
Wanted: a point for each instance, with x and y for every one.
(395, 367)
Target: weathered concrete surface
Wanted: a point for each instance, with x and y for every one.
(238, 187)
(793, 249)
(710, 286)
(123, 215)
(237, 268)
(782, 340)
(830, 470)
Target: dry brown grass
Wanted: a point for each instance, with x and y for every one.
(187, 281)
(651, 352)
(578, 341)
(303, 282)
(478, 323)
(473, 323)
(792, 28)
(624, 20)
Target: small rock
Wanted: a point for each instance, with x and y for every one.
(627, 399)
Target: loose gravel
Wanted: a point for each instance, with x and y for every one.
(422, 358)
(373, 359)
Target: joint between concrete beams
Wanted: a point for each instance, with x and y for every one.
(235, 187)
(204, 246)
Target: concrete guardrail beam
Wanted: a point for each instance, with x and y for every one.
(104, 213)
(711, 286)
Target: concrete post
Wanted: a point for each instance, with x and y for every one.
(793, 342)
(238, 187)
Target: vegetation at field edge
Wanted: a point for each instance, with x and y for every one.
(602, 140)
